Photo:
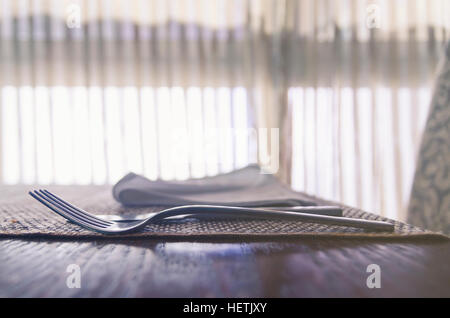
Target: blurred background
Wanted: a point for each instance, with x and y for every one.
(90, 90)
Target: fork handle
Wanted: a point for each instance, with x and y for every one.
(277, 215)
(312, 209)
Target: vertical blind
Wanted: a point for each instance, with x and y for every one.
(93, 89)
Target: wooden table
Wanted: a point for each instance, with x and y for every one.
(278, 268)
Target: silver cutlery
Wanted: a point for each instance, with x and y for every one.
(322, 210)
(92, 222)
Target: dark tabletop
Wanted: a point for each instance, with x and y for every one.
(277, 268)
(216, 267)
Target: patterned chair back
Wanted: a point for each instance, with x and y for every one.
(430, 197)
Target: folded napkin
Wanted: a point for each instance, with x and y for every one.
(244, 187)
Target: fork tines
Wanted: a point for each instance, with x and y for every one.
(67, 210)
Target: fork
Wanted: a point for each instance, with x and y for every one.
(94, 223)
(313, 209)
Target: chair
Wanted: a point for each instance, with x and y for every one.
(430, 197)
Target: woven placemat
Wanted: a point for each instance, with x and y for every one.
(21, 216)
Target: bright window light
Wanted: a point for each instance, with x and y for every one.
(132, 133)
(365, 143)
(164, 110)
(180, 141)
(386, 151)
(195, 127)
(210, 131)
(310, 140)
(63, 135)
(347, 151)
(114, 127)
(81, 133)
(27, 126)
(44, 136)
(240, 124)
(149, 132)
(97, 138)
(10, 136)
(224, 127)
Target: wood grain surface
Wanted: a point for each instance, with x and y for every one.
(276, 268)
